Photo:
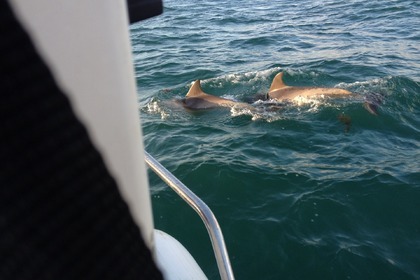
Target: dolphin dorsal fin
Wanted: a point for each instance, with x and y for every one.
(277, 82)
(195, 89)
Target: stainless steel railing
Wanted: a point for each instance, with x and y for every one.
(213, 228)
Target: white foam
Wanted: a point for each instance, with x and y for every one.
(313, 102)
(154, 107)
(242, 78)
(377, 84)
(259, 113)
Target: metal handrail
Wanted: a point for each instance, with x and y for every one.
(213, 228)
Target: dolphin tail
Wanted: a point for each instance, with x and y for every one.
(277, 82)
(195, 90)
(372, 102)
(371, 108)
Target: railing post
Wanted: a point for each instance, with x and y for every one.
(210, 221)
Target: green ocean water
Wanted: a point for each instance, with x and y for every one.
(316, 188)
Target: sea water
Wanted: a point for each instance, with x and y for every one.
(315, 188)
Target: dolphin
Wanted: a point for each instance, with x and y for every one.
(197, 99)
(280, 91)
